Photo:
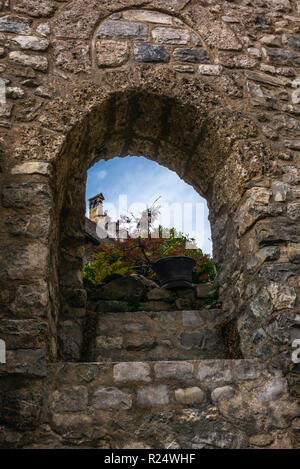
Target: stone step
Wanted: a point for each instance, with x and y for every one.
(165, 335)
(183, 404)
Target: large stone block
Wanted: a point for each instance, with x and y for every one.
(191, 55)
(23, 333)
(14, 24)
(111, 398)
(146, 52)
(293, 252)
(27, 195)
(33, 167)
(281, 57)
(122, 30)
(292, 41)
(282, 296)
(278, 272)
(176, 370)
(25, 362)
(35, 8)
(30, 300)
(147, 15)
(27, 226)
(131, 371)
(188, 396)
(121, 289)
(171, 35)
(111, 53)
(32, 43)
(24, 262)
(222, 393)
(152, 396)
(37, 62)
(71, 399)
(215, 371)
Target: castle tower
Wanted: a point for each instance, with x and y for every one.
(96, 207)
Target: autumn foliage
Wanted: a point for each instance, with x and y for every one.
(125, 257)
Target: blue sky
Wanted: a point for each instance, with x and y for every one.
(143, 181)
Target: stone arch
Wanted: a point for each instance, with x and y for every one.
(234, 119)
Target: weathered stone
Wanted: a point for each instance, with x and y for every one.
(223, 393)
(277, 272)
(150, 53)
(37, 62)
(43, 29)
(111, 53)
(122, 289)
(29, 226)
(71, 399)
(111, 398)
(282, 296)
(268, 253)
(147, 15)
(215, 371)
(265, 78)
(122, 30)
(184, 68)
(160, 294)
(183, 303)
(27, 195)
(220, 440)
(72, 56)
(293, 210)
(281, 57)
(149, 396)
(210, 69)
(109, 343)
(23, 333)
(247, 369)
(273, 390)
(280, 191)
(205, 339)
(292, 41)
(293, 252)
(5, 109)
(166, 370)
(189, 395)
(171, 35)
(14, 92)
(261, 305)
(191, 318)
(14, 24)
(32, 42)
(134, 371)
(26, 261)
(35, 8)
(25, 362)
(73, 426)
(30, 300)
(191, 55)
(271, 40)
(277, 231)
(261, 440)
(32, 167)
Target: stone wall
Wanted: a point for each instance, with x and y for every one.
(91, 80)
(187, 404)
(165, 335)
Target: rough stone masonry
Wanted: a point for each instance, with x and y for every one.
(210, 89)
